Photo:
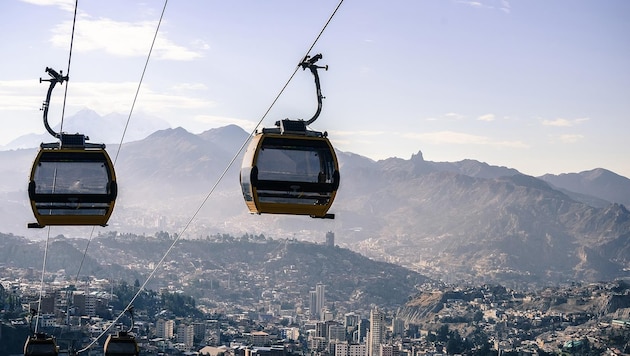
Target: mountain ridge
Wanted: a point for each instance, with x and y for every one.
(451, 220)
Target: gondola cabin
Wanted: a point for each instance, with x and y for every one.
(40, 345)
(290, 170)
(121, 344)
(73, 185)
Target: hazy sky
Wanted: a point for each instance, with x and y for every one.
(540, 86)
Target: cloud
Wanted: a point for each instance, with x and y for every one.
(502, 5)
(200, 44)
(560, 122)
(105, 97)
(189, 87)
(65, 5)
(21, 95)
(349, 139)
(454, 115)
(458, 138)
(363, 133)
(122, 39)
(486, 117)
(223, 121)
(471, 3)
(570, 138)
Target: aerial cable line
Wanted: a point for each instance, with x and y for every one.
(146, 64)
(65, 93)
(41, 283)
(207, 197)
(67, 77)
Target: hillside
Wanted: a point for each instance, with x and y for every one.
(450, 220)
(598, 182)
(221, 268)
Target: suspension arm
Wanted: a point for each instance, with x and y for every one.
(54, 79)
(310, 64)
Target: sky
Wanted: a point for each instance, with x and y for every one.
(536, 85)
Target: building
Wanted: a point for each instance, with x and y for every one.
(321, 329)
(317, 343)
(186, 335)
(200, 330)
(259, 338)
(336, 332)
(398, 327)
(213, 351)
(345, 349)
(351, 319)
(84, 303)
(313, 304)
(330, 239)
(377, 332)
(290, 333)
(362, 330)
(165, 328)
(320, 290)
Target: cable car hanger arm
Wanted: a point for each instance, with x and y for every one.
(55, 78)
(310, 64)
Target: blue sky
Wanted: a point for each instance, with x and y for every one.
(540, 86)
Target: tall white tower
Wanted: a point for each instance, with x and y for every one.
(377, 332)
(320, 290)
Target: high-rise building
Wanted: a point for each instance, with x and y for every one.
(398, 327)
(377, 332)
(320, 289)
(313, 305)
(186, 335)
(321, 329)
(336, 332)
(84, 303)
(351, 319)
(165, 328)
(364, 326)
(346, 349)
(330, 239)
(200, 330)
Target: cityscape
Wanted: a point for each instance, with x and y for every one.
(473, 149)
(439, 319)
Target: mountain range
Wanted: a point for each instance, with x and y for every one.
(453, 221)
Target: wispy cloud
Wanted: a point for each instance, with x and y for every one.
(454, 115)
(364, 133)
(189, 87)
(471, 3)
(570, 138)
(486, 117)
(212, 120)
(21, 95)
(502, 5)
(458, 138)
(65, 5)
(122, 39)
(561, 122)
(365, 138)
(107, 97)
